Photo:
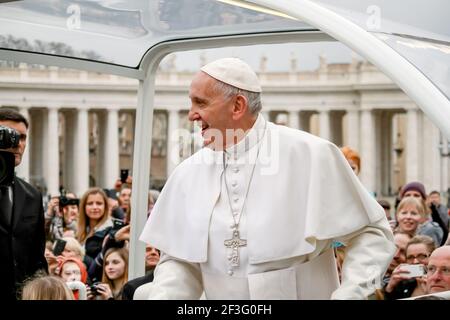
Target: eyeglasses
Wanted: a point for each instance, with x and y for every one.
(419, 257)
(432, 270)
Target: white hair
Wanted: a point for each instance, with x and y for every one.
(253, 98)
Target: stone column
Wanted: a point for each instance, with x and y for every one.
(431, 170)
(412, 148)
(110, 154)
(81, 166)
(38, 147)
(70, 152)
(353, 132)
(173, 150)
(52, 146)
(294, 119)
(368, 165)
(23, 170)
(324, 124)
(445, 183)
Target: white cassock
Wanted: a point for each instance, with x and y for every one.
(301, 197)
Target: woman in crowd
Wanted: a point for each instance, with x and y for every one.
(401, 285)
(94, 222)
(410, 213)
(46, 288)
(115, 275)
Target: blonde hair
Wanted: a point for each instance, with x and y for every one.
(73, 245)
(412, 201)
(83, 220)
(47, 288)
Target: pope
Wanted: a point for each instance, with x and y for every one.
(254, 214)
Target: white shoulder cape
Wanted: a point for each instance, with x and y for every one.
(303, 190)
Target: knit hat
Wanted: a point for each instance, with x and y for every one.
(417, 186)
(234, 72)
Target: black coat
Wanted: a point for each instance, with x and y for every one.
(130, 287)
(22, 242)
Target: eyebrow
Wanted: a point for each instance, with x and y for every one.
(198, 99)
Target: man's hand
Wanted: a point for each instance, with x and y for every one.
(118, 184)
(123, 234)
(397, 275)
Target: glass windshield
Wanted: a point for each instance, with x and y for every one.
(418, 30)
(120, 32)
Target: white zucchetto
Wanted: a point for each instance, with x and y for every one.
(234, 72)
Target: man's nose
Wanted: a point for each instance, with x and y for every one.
(193, 115)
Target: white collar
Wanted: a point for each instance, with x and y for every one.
(253, 136)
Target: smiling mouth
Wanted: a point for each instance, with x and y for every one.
(204, 128)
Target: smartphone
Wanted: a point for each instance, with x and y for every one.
(124, 175)
(415, 270)
(59, 247)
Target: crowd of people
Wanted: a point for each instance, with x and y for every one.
(420, 223)
(87, 241)
(206, 248)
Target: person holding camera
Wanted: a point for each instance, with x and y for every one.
(62, 216)
(22, 230)
(407, 278)
(115, 275)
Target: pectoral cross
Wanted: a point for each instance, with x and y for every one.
(234, 244)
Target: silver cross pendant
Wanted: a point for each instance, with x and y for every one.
(234, 244)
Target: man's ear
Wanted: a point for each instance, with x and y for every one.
(240, 107)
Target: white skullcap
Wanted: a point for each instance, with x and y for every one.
(234, 72)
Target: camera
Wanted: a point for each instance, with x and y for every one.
(93, 288)
(9, 138)
(117, 225)
(64, 201)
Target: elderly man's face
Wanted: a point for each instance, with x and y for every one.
(438, 275)
(400, 240)
(435, 199)
(211, 109)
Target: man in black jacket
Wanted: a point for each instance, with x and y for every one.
(151, 260)
(22, 235)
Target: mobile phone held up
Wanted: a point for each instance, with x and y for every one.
(124, 175)
(59, 247)
(415, 270)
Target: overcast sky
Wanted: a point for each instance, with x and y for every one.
(278, 56)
